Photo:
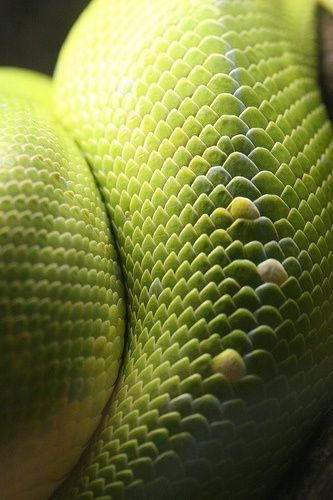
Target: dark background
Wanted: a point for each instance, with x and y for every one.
(32, 31)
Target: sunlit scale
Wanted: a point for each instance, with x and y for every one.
(61, 295)
(203, 123)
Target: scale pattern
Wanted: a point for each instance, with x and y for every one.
(61, 295)
(205, 129)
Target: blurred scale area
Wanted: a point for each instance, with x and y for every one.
(32, 31)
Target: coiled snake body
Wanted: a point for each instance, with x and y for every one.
(166, 279)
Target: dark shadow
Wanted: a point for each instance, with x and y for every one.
(325, 40)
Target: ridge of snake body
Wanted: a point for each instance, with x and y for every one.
(204, 128)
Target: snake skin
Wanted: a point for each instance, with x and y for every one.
(205, 131)
(61, 295)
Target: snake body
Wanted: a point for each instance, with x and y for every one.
(191, 180)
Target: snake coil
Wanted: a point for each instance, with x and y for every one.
(166, 270)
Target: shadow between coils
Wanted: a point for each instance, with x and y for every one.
(325, 56)
(311, 477)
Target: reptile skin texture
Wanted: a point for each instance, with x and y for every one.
(209, 200)
(61, 295)
(205, 129)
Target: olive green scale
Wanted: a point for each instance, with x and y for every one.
(205, 130)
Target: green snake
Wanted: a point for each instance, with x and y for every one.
(166, 269)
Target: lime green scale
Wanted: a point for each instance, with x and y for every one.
(204, 126)
(61, 295)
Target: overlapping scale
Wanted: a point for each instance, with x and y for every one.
(205, 129)
(61, 295)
